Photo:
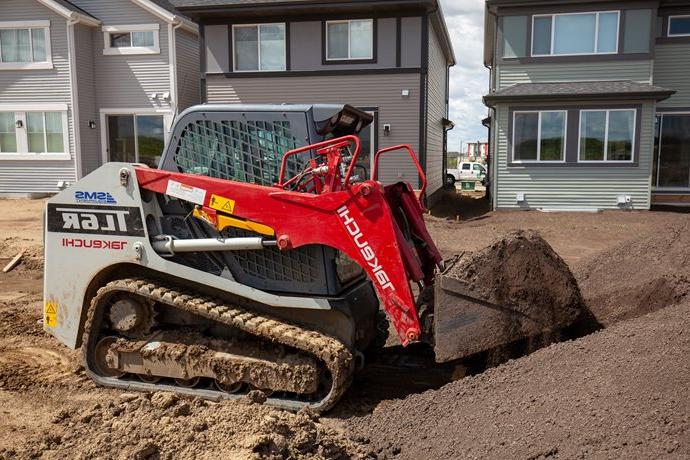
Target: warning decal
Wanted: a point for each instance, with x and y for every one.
(186, 192)
(221, 203)
(51, 314)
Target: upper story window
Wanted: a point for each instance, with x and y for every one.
(679, 26)
(539, 136)
(350, 40)
(258, 47)
(131, 39)
(25, 45)
(575, 33)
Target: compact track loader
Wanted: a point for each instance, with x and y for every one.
(258, 255)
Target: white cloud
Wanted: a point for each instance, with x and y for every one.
(469, 79)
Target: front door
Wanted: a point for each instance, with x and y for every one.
(672, 152)
(133, 138)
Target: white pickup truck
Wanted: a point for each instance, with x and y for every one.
(467, 170)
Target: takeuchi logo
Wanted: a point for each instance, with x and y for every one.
(94, 197)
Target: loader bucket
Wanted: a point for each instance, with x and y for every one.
(516, 288)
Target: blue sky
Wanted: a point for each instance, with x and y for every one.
(469, 79)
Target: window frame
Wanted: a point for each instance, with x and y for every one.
(258, 38)
(539, 160)
(109, 50)
(22, 136)
(668, 26)
(42, 65)
(606, 136)
(596, 34)
(359, 60)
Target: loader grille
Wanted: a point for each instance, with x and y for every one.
(244, 151)
(298, 265)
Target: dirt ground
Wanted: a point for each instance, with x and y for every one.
(620, 392)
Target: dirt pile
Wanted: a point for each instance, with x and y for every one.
(612, 394)
(162, 425)
(638, 276)
(523, 289)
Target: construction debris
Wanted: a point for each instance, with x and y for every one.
(13, 263)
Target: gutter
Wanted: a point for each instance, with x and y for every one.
(491, 100)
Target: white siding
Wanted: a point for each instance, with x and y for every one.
(575, 186)
(37, 86)
(127, 81)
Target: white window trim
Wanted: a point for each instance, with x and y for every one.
(167, 115)
(47, 64)
(109, 50)
(349, 39)
(606, 137)
(258, 41)
(596, 33)
(676, 16)
(20, 111)
(539, 160)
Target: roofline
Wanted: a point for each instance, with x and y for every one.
(69, 14)
(433, 6)
(167, 16)
(492, 100)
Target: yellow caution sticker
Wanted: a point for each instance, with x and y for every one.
(220, 203)
(51, 314)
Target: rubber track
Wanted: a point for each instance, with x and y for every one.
(334, 354)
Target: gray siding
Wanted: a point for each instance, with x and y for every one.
(383, 91)
(86, 97)
(574, 187)
(411, 42)
(36, 86)
(436, 111)
(187, 69)
(510, 74)
(672, 71)
(126, 81)
(217, 48)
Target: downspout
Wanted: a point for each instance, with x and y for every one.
(172, 51)
(74, 96)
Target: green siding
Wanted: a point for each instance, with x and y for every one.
(671, 70)
(511, 74)
(563, 187)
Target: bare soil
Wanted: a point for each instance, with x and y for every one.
(620, 392)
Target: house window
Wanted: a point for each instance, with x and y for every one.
(136, 138)
(25, 45)
(131, 39)
(258, 47)
(606, 135)
(33, 133)
(539, 136)
(350, 40)
(679, 26)
(575, 33)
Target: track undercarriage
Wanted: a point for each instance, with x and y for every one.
(222, 351)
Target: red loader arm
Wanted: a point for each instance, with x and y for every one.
(357, 219)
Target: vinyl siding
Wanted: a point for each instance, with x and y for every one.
(511, 74)
(126, 81)
(382, 91)
(37, 86)
(86, 96)
(672, 71)
(574, 187)
(187, 69)
(436, 111)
